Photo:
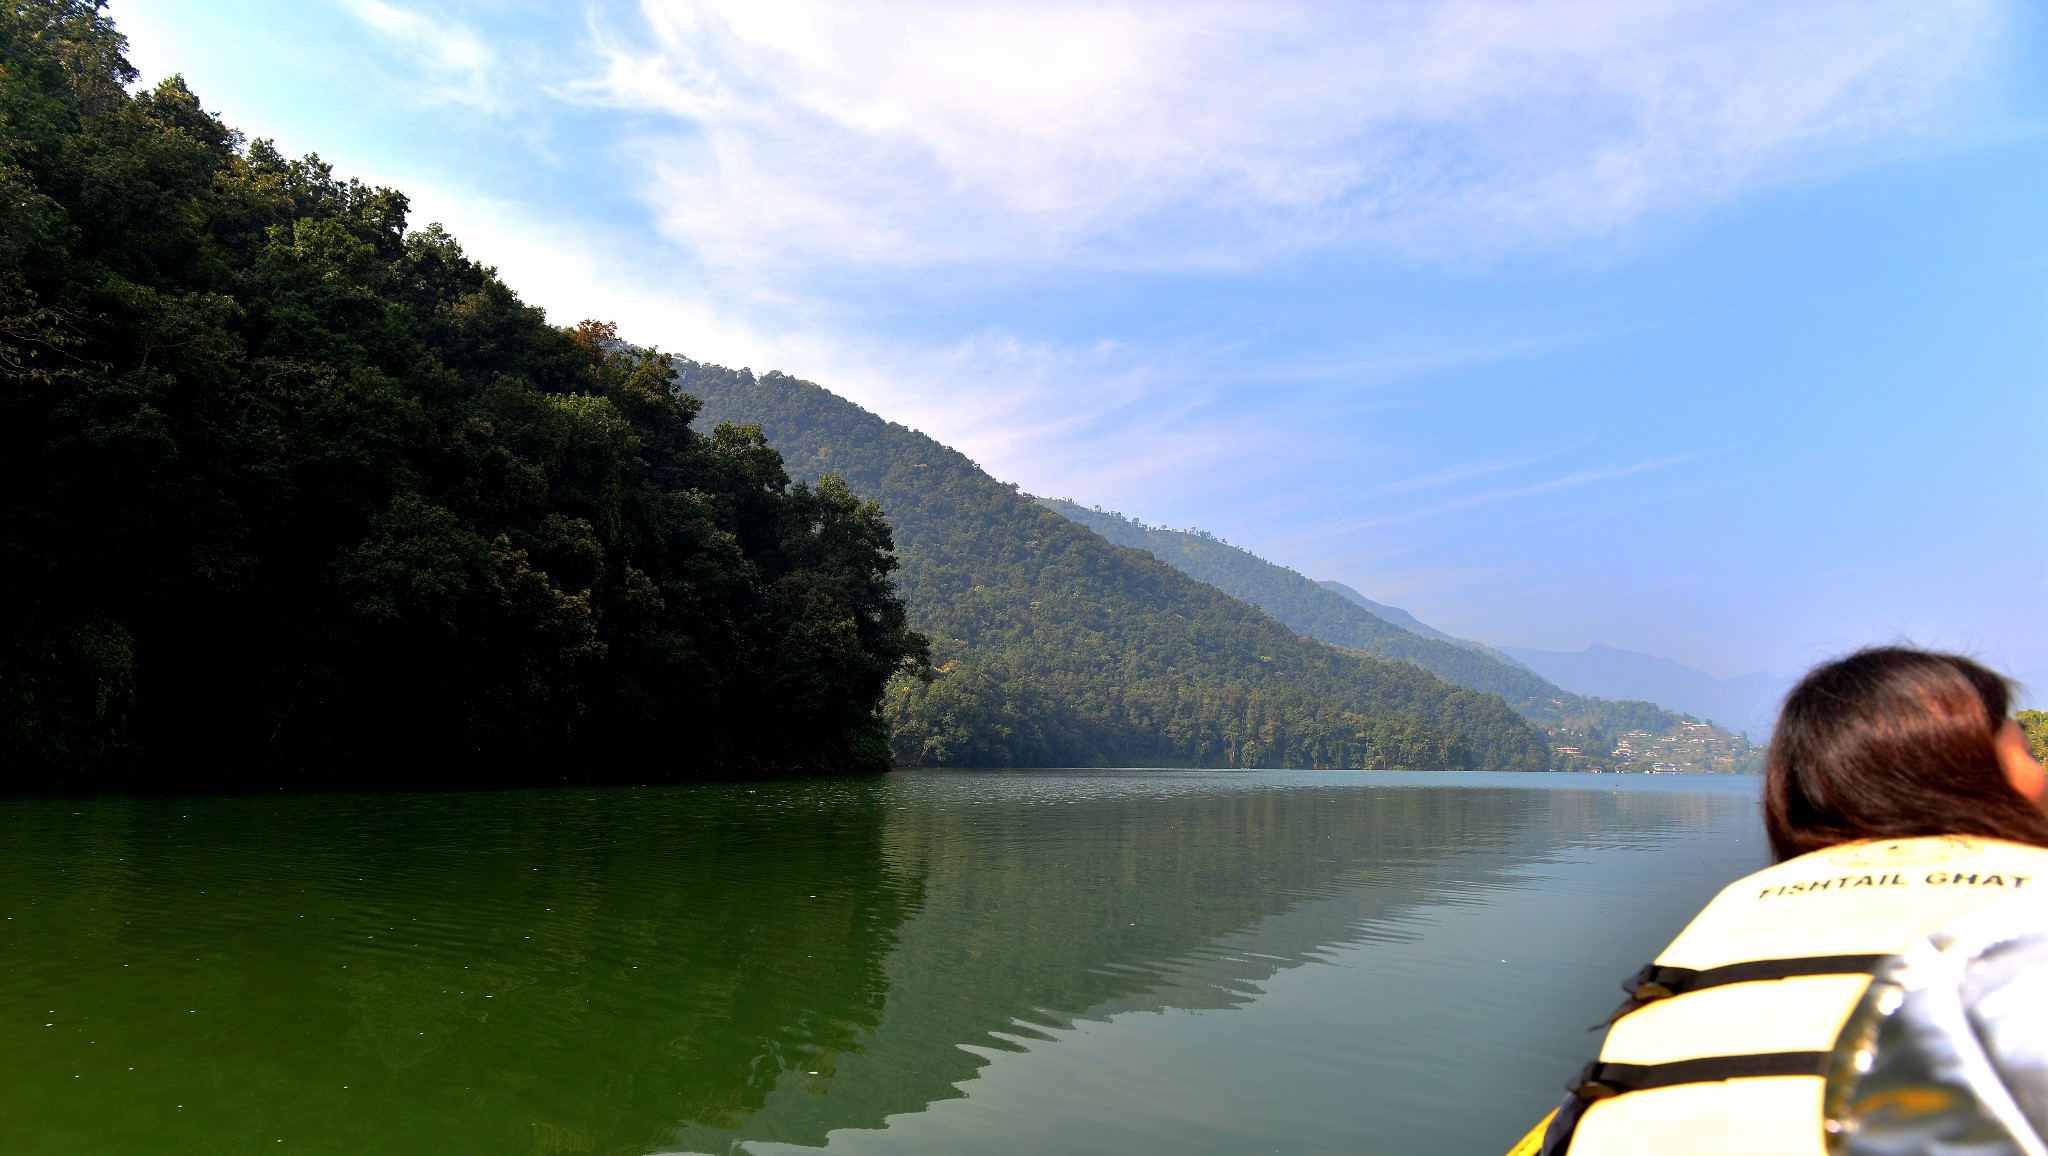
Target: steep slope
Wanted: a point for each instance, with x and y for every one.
(1592, 727)
(1054, 646)
(1414, 625)
(1310, 608)
(1395, 615)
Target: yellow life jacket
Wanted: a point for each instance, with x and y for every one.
(1723, 1046)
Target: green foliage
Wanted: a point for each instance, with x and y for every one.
(2035, 723)
(1055, 647)
(285, 486)
(1319, 612)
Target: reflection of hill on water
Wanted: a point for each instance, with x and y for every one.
(543, 972)
(1049, 899)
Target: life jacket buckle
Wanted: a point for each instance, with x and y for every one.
(1656, 981)
(1648, 985)
(1588, 1086)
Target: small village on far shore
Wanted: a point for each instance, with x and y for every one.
(1694, 747)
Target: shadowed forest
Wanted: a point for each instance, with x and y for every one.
(291, 488)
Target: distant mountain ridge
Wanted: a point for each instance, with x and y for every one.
(1312, 609)
(1407, 621)
(1395, 615)
(1749, 703)
(1053, 646)
(1583, 728)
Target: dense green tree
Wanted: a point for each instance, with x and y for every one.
(288, 487)
(1056, 647)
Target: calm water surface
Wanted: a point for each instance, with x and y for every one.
(1098, 962)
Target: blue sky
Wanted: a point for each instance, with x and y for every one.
(1714, 330)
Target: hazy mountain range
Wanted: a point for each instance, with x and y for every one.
(1749, 703)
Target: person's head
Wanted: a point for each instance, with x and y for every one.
(1891, 743)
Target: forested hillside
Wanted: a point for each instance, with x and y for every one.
(1054, 646)
(291, 492)
(1309, 607)
(1592, 726)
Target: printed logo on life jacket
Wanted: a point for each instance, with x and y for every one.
(1934, 878)
(1907, 852)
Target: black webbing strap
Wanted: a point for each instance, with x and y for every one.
(1655, 981)
(1658, 982)
(1599, 1079)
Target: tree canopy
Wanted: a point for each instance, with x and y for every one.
(2035, 724)
(293, 492)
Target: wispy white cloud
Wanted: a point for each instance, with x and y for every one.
(1174, 134)
(1092, 422)
(1466, 471)
(796, 143)
(455, 65)
(1572, 480)
(1045, 414)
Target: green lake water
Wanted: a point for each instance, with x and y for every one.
(1018, 962)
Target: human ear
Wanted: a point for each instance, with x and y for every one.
(2021, 770)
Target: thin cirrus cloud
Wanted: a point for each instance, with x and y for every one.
(1467, 471)
(1181, 135)
(790, 148)
(451, 63)
(1510, 493)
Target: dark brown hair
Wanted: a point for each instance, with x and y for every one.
(1891, 743)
